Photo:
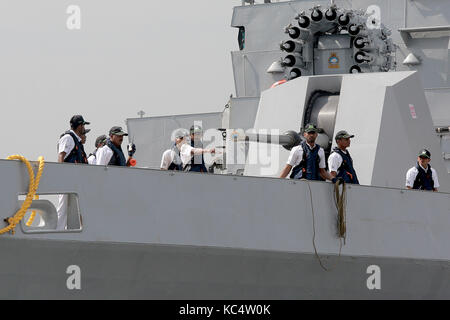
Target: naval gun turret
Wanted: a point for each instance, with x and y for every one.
(226, 161)
(287, 140)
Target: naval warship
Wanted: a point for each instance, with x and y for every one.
(376, 68)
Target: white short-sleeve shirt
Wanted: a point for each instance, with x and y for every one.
(413, 172)
(335, 161)
(185, 153)
(167, 158)
(92, 159)
(296, 156)
(104, 155)
(66, 143)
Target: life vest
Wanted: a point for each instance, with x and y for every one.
(346, 170)
(424, 179)
(77, 155)
(197, 161)
(118, 158)
(308, 168)
(176, 163)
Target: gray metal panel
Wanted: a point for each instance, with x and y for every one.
(261, 213)
(422, 13)
(280, 108)
(243, 112)
(35, 269)
(334, 42)
(434, 56)
(152, 135)
(250, 74)
(438, 101)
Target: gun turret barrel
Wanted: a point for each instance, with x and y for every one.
(304, 21)
(354, 29)
(293, 32)
(331, 14)
(361, 57)
(360, 42)
(294, 73)
(316, 15)
(288, 139)
(291, 46)
(355, 69)
(293, 60)
(344, 20)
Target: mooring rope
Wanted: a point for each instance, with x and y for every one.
(314, 228)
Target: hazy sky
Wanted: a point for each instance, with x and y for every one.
(163, 57)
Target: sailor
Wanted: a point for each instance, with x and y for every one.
(70, 148)
(99, 142)
(83, 141)
(192, 154)
(111, 153)
(340, 162)
(422, 176)
(307, 159)
(171, 159)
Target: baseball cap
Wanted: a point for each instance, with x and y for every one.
(343, 135)
(100, 139)
(180, 133)
(117, 131)
(195, 129)
(77, 120)
(311, 128)
(425, 154)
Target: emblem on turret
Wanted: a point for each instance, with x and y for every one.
(333, 61)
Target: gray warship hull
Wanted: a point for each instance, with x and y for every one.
(198, 248)
(145, 271)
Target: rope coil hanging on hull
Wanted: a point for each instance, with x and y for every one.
(32, 189)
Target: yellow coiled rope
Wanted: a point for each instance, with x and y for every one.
(34, 184)
(33, 214)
